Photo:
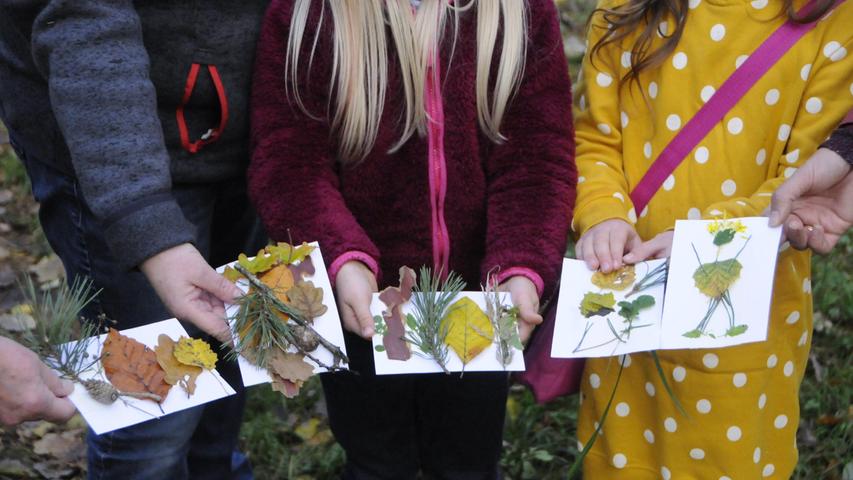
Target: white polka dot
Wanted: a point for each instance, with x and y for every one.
(694, 214)
(604, 128)
(644, 212)
(601, 164)
(784, 132)
(805, 71)
(663, 28)
(626, 59)
(706, 93)
(580, 446)
(725, 478)
(733, 433)
(649, 436)
(715, 213)
(807, 285)
(804, 338)
(703, 406)
(697, 453)
(761, 156)
(619, 196)
(679, 60)
(670, 424)
(619, 460)
(762, 401)
(741, 203)
(758, 4)
(771, 97)
(729, 187)
(785, 245)
(647, 150)
(834, 51)
(693, 3)
(718, 31)
(581, 179)
(632, 215)
(814, 105)
(653, 89)
(710, 360)
(780, 421)
(603, 79)
(665, 473)
(625, 360)
(793, 317)
(739, 379)
(594, 380)
(582, 102)
(772, 360)
(595, 427)
(735, 125)
(624, 119)
(792, 156)
(673, 122)
(650, 389)
(790, 171)
(623, 409)
(669, 183)
(768, 470)
(678, 374)
(756, 455)
(788, 369)
(739, 60)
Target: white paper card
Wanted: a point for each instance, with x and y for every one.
(327, 325)
(102, 418)
(741, 316)
(576, 336)
(486, 361)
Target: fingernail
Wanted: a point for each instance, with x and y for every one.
(367, 332)
(67, 386)
(628, 258)
(605, 267)
(774, 219)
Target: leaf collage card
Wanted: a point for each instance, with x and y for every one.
(144, 373)
(717, 293)
(286, 327)
(426, 325)
(600, 315)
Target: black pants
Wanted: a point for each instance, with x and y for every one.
(395, 426)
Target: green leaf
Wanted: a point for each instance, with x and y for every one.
(736, 330)
(693, 334)
(411, 322)
(542, 455)
(379, 348)
(724, 236)
(644, 301)
(597, 304)
(714, 278)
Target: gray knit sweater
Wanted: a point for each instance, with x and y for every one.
(100, 82)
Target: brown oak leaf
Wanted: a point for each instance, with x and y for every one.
(289, 371)
(177, 373)
(132, 367)
(394, 297)
(307, 299)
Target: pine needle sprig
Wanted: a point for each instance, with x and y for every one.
(504, 322)
(652, 279)
(433, 296)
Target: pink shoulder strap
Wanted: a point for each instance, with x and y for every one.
(726, 97)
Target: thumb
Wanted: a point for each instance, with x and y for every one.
(209, 322)
(58, 386)
(218, 286)
(783, 198)
(527, 310)
(58, 410)
(639, 253)
(364, 318)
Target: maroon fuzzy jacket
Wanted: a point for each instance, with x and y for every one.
(506, 205)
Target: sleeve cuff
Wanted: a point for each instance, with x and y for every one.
(603, 209)
(142, 232)
(362, 257)
(526, 273)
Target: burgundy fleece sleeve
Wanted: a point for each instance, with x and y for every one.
(532, 175)
(293, 181)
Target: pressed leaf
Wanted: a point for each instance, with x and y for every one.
(736, 330)
(307, 299)
(132, 367)
(231, 275)
(177, 373)
(714, 278)
(600, 304)
(261, 262)
(194, 351)
(288, 254)
(303, 269)
(724, 236)
(289, 371)
(469, 330)
(619, 279)
(280, 280)
(396, 348)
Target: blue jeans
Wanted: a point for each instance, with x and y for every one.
(195, 443)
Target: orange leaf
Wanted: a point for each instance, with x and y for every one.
(177, 373)
(132, 367)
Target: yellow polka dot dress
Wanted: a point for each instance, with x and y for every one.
(741, 402)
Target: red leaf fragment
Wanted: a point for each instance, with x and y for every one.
(394, 297)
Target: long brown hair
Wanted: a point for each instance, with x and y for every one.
(648, 15)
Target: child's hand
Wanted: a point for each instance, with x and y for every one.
(355, 285)
(604, 245)
(658, 247)
(524, 296)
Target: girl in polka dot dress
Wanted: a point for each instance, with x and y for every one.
(642, 80)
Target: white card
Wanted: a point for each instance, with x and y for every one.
(755, 248)
(327, 325)
(129, 411)
(486, 361)
(578, 336)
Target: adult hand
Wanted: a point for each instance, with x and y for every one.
(355, 285)
(658, 247)
(191, 289)
(604, 245)
(29, 390)
(524, 296)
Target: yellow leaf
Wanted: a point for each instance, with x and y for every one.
(616, 280)
(177, 373)
(469, 330)
(287, 253)
(193, 351)
(232, 275)
(307, 429)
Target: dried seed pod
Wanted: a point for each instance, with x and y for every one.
(101, 391)
(304, 339)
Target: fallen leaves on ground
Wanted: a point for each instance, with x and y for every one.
(469, 330)
(132, 367)
(177, 373)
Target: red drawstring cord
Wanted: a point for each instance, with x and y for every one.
(213, 134)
